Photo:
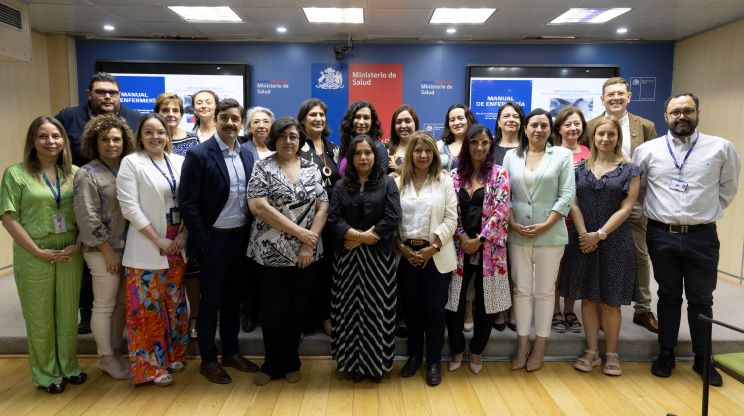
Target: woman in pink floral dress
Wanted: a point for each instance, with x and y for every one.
(482, 189)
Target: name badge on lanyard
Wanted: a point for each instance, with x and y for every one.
(58, 220)
(678, 184)
(174, 216)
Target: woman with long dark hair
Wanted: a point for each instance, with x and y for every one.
(364, 218)
(403, 124)
(482, 189)
(361, 119)
(457, 121)
(312, 116)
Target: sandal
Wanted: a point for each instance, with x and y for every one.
(163, 381)
(558, 324)
(573, 324)
(176, 366)
(587, 361)
(612, 364)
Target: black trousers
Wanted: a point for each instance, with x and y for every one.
(86, 293)
(318, 306)
(222, 281)
(689, 262)
(481, 320)
(425, 293)
(284, 294)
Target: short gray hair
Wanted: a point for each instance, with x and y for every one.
(254, 110)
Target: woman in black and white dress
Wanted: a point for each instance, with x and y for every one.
(289, 202)
(364, 218)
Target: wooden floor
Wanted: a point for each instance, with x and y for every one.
(556, 389)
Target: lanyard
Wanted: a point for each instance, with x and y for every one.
(58, 194)
(109, 167)
(173, 178)
(674, 158)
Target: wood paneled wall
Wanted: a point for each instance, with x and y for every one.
(26, 91)
(710, 66)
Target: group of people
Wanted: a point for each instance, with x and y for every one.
(178, 228)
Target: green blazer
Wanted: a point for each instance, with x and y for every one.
(553, 190)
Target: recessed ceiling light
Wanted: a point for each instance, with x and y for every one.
(462, 15)
(622, 30)
(108, 27)
(582, 15)
(334, 14)
(203, 14)
(451, 30)
(281, 29)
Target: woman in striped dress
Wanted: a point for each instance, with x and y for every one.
(364, 217)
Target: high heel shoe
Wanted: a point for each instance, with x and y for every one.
(520, 358)
(455, 362)
(475, 368)
(534, 363)
(193, 334)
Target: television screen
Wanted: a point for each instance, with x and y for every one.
(141, 82)
(547, 87)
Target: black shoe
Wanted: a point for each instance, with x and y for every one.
(499, 326)
(410, 368)
(512, 326)
(663, 364)
(433, 374)
(355, 376)
(375, 379)
(54, 388)
(77, 380)
(714, 378)
(401, 331)
(84, 325)
(248, 325)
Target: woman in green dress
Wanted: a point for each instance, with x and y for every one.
(37, 211)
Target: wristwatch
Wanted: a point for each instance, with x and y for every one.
(602, 234)
(482, 238)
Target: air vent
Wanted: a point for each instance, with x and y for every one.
(10, 17)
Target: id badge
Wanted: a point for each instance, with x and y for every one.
(678, 185)
(175, 216)
(60, 225)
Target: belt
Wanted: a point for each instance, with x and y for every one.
(416, 242)
(229, 230)
(679, 229)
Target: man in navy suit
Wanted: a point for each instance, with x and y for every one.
(214, 207)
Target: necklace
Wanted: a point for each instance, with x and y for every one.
(327, 172)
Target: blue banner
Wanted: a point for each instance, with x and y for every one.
(330, 83)
(139, 92)
(487, 95)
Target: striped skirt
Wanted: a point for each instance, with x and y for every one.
(363, 300)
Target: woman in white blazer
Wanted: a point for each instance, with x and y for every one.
(157, 316)
(429, 209)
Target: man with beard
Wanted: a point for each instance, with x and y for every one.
(636, 131)
(688, 179)
(212, 197)
(103, 97)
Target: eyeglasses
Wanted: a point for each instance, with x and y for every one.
(294, 137)
(687, 112)
(102, 92)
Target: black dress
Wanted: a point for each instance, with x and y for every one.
(607, 275)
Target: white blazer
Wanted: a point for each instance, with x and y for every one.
(142, 204)
(443, 222)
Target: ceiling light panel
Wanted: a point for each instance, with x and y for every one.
(591, 16)
(334, 15)
(460, 15)
(196, 14)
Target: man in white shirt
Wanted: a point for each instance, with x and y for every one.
(688, 179)
(636, 130)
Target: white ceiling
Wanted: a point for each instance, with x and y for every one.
(384, 20)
